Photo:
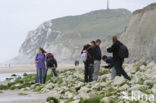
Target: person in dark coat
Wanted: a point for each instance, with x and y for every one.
(89, 63)
(97, 59)
(91, 60)
(118, 62)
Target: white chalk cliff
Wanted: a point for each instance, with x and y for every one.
(64, 37)
(140, 35)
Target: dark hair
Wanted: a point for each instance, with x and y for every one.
(42, 50)
(98, 41)
(86, 47)
(104, 57)
(93, 42)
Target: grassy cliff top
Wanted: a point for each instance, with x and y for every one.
(95, 24)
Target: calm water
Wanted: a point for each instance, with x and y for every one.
(8, 75)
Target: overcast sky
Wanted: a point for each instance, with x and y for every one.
(17, 17)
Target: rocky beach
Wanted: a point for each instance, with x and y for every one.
(69, 87)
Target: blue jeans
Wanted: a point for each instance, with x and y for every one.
(40, 75)
(54, 72)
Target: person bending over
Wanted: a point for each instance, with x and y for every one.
(51, 64)
(109, 61)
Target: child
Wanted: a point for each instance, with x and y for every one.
(109, 61)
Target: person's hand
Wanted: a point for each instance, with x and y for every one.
(36, 61)
(103, 66)
(106, 67)
(53, 68)
(91, 64)
(107, 47)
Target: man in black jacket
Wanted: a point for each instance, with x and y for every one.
(97, 59)
(118, 62)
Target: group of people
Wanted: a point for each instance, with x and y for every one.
(92, 56)
(44, 61)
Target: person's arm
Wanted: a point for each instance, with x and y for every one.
(108, 63)
(36, 61)
(82, 50)
(56, 63)
(45, 63)
(89, 56)
(107, 67)
(94, 51)
(111, 49)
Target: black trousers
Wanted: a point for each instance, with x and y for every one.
(88, 72)
(119, 69)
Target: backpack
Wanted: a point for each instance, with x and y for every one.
(49, 55)
(123, 51)
(84, 55)
(49, 59)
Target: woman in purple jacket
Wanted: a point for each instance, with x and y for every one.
(40, 61)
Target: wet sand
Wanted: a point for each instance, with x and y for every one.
(32, 68)
(9, 96)
(14, 97)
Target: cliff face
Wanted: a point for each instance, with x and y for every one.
(140, 35)
(51, 40)
(64, 37)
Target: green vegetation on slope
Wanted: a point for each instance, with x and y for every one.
(97, 24)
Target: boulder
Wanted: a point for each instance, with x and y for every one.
(125, 86)
(68, 95)
(76, 101)
(118, 80)
(136, 87)
(105, 99)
